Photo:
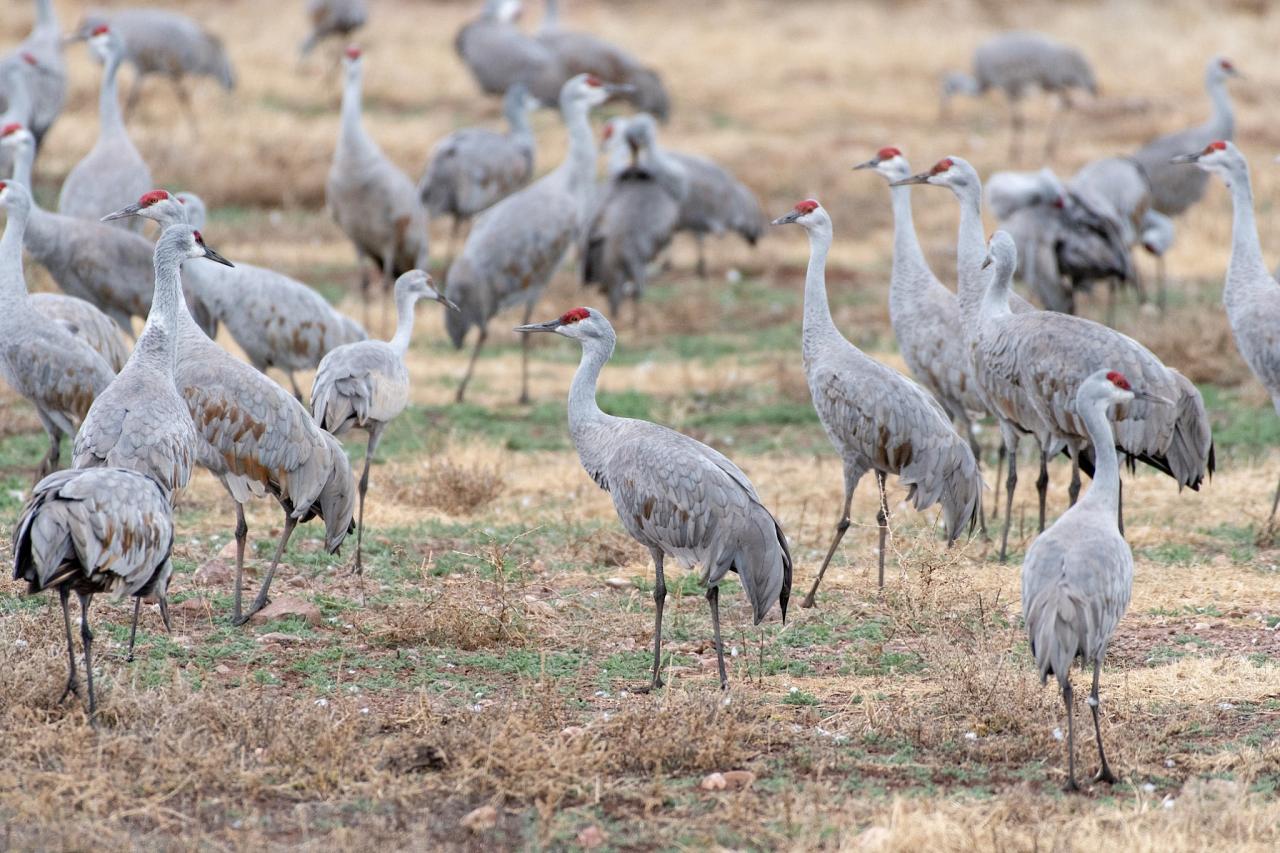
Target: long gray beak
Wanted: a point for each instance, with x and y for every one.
(1185, 158)
(131, 210)
(549, 326)
(922, 178)
(164, 614)
(787, 219)
(444, 300)
(214, 256)
(619, 88)
(870, 164)
(987, 261)
(1152, 398)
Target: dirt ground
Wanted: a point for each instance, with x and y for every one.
(478, 689)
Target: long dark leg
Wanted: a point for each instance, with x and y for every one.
(1000, 454)
(388, 283)
(297, 392)
(242, 536)
(1104, 773)
(1071, 738)
(49, 463)
(133, 629)
(1016, 125)
(1042, 484)
(882, 519)
(1056, 120)
(1120, 507)
(850, 483)
(374, 434)
(524, 356)
(659, 599)
(184, 98)
(471, 365)
(362, 269)
(260, 601)
(86, 637)
(73, 687)
(1010, 484)
(1073, 491)
(701, 240)
(1162, 299)
(713, 599)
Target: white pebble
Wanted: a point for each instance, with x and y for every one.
(1225, 706)
(1057, 734)
(1168, 802)
(322, 703)
(970, 735)
(1148, 788)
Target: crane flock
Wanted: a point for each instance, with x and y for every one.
(142, 421)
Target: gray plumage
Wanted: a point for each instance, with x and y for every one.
(877, 419)
(103, 530)
(113, 172)
(333, 18)
(17, 79)
(1078, 575)
(1122, 183)
(499, 55)
(676, 496)
(85, 322)
(47, 85)
(635, 219)
(374, 203)
(472, 168)
(1175, 188)
(515, 246)
(583, 53)
(59, 374)
(365, 385)
(140, 421)
(257, 439)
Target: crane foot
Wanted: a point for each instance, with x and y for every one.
(1105, 775)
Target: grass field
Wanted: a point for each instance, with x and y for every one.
(477, 691)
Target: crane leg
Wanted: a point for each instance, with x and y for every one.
(133, 629)
(471, 365)
(850, 483)
(1073, 491)
(363, 269)
(659, 599)
(1042, 485)
(1016, 125)
(49, 463)
(242, 536)
(86, 637)
(388, 283)
(1010, 484)
(1071, 738)
(1161, 295)
(1000, 454)
(1053, 136)
(524, 356)
(882, 519)
(374, 435)
(73, 686)
(260, 601)
(1120, 508)
(701, 240)
(297, 391)
(713, 599)
(184, 98)
(1104, 774)
(1275, 503)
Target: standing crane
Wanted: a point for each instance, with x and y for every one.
(59, 374)
(48, 87)
(499, 55)
(140, 421)
(878, 419)
(472, 169)
(90, 531)
(1173, 188)
(1077, 577)
(278, 321)
(516, 246)
(374, 203)
(17, 79)
(674, 495)
(331, 18)
(365, 385)
(168, 44)
(1249, 294)
(257, 439)
(113, 171)
(1017, 62)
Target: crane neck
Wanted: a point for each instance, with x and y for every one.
(23, 155)
(970, 253)
(158, 343)
(109, 116)
(583, 409)
(404, 323)
(1104, 493)
(995, 301)
(910, 269)
(352, 108)
(13, 286)
(580, 163)
(1222, 119)
(818, 325)
(46, 18)
(1246, 269)
(14, 82)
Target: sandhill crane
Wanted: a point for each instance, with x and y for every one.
(1173, 188)
(90, 531)
(1078, 575)
(141, 421)
(257, 440)
(365, 385)
(374, 203)
(515, 247)
(1249, 294)
(472, 168)
(674, 495)
(1047, 357)
(110, 268)
(157, 41)
(635, 219)
(331, 18)
(85, 322)
(17, 80)
(113, 171)
(499, 55)
(40, 359)
(278, 321)
(1016, 62)
(583, 53)
(878, 419)
(48, 87)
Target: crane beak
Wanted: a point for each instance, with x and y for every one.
(787, 219)
(164, 614)
(1152, 398)
(619, 88)
(214, 256)
(549, 326)
(444, 300)
(131, 210)
(870, 164)
(988, 261)
(922, 178)
(1185, 158)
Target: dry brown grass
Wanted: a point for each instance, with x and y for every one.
(446, 485)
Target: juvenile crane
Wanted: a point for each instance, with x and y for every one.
(140, 421)
(473, 168)
(878, 419)
(90, 531)
(674, 495)
(1078, 575)
(59, 374)
(113, 171)
(374, 203)
(257, 439)
(365, 385)
(331, 18)
(515, 247)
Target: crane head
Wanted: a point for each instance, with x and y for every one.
(952, 172)
(1221, 68)
(159, 206)
(198, 249)
(580, 323)
(1002, 252)
(888, 162)
(1219, 157)
(417, 284)
(13, 135)
(802, 213)
(590, 89)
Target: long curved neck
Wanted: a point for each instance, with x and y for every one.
(109, 116)
(22, 158)
(46, 18)
(158, 343)
(907, 255)
(995, 302)
(817, 312)
(13, 286)
(518, 126)
(970, 252)
(1247, 267)
(583, 410)
(404, 323)
(1105, 491)
(1223, 118)
(580, 162)
(352, 104)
